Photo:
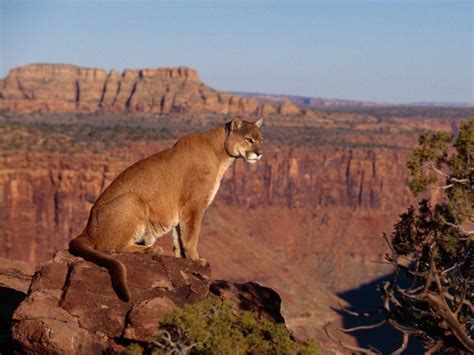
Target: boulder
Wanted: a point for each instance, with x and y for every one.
(250, 296)
(71, 306)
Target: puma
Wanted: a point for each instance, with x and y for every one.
(169, 190)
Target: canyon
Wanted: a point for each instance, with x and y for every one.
(295, 188)
(307, 220)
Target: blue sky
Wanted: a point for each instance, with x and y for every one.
(386, 51)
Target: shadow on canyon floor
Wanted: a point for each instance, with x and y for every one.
(367, 298)
(9, 301)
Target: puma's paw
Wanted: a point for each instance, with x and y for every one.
(154, 250)
(202, 262)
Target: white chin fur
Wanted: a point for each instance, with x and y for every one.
(251, 161)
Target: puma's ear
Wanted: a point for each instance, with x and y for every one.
(259, 122)
(235, 124)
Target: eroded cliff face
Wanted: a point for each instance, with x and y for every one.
(67, 88)
(320, 177)
(298, 201)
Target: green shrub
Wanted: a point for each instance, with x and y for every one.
(431, 293)
(213, 327)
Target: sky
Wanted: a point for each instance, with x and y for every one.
(384, 51)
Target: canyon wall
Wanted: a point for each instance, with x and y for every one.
(67, 88)
(299, 220)
(298, 202)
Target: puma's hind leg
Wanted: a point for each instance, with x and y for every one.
(136, 248)
(118, 225)
(178, 248)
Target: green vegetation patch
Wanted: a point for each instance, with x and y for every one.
(214, 327)
(71, 138)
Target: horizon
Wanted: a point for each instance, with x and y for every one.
(424, 53)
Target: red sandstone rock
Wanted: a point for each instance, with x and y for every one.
(287, 108)
(67, 88)
(53, 192)
(266, 109)
(15, 274)
(250, 297)
(71, 307)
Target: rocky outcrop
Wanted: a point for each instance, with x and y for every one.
(67, 88)
(15, 275)
(287, 108)
(72, 308)
(250, 296)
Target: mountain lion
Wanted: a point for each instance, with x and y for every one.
(169, 190)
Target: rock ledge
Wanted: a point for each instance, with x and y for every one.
(71, 307)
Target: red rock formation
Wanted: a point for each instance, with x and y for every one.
(52, 194)
(15, 274)
(67, 88)
(287, 108)
(72, 308)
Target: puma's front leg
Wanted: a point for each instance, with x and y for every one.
(190, 227)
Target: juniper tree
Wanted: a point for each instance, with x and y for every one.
(430, 295)
(432, 246)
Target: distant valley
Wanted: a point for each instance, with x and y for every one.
(318, 102)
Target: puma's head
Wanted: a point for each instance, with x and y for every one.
(244, 140)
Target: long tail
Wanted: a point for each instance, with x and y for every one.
(81, 246)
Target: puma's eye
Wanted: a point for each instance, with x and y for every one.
(249, 140)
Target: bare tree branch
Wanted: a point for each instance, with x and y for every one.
(346, 346)
(359, 314)
(403, 346)
(325, 348)
(451, 320)
(436, 346)
(363, 327)
(405, 330)
(458, 227)
(436, 170)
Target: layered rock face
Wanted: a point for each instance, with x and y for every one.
(71, 308)
(315, 188)
(67, 88)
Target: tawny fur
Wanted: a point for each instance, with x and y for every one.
(169, 190)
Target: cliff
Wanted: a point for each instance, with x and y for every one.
(306, 192)
(68, 88)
